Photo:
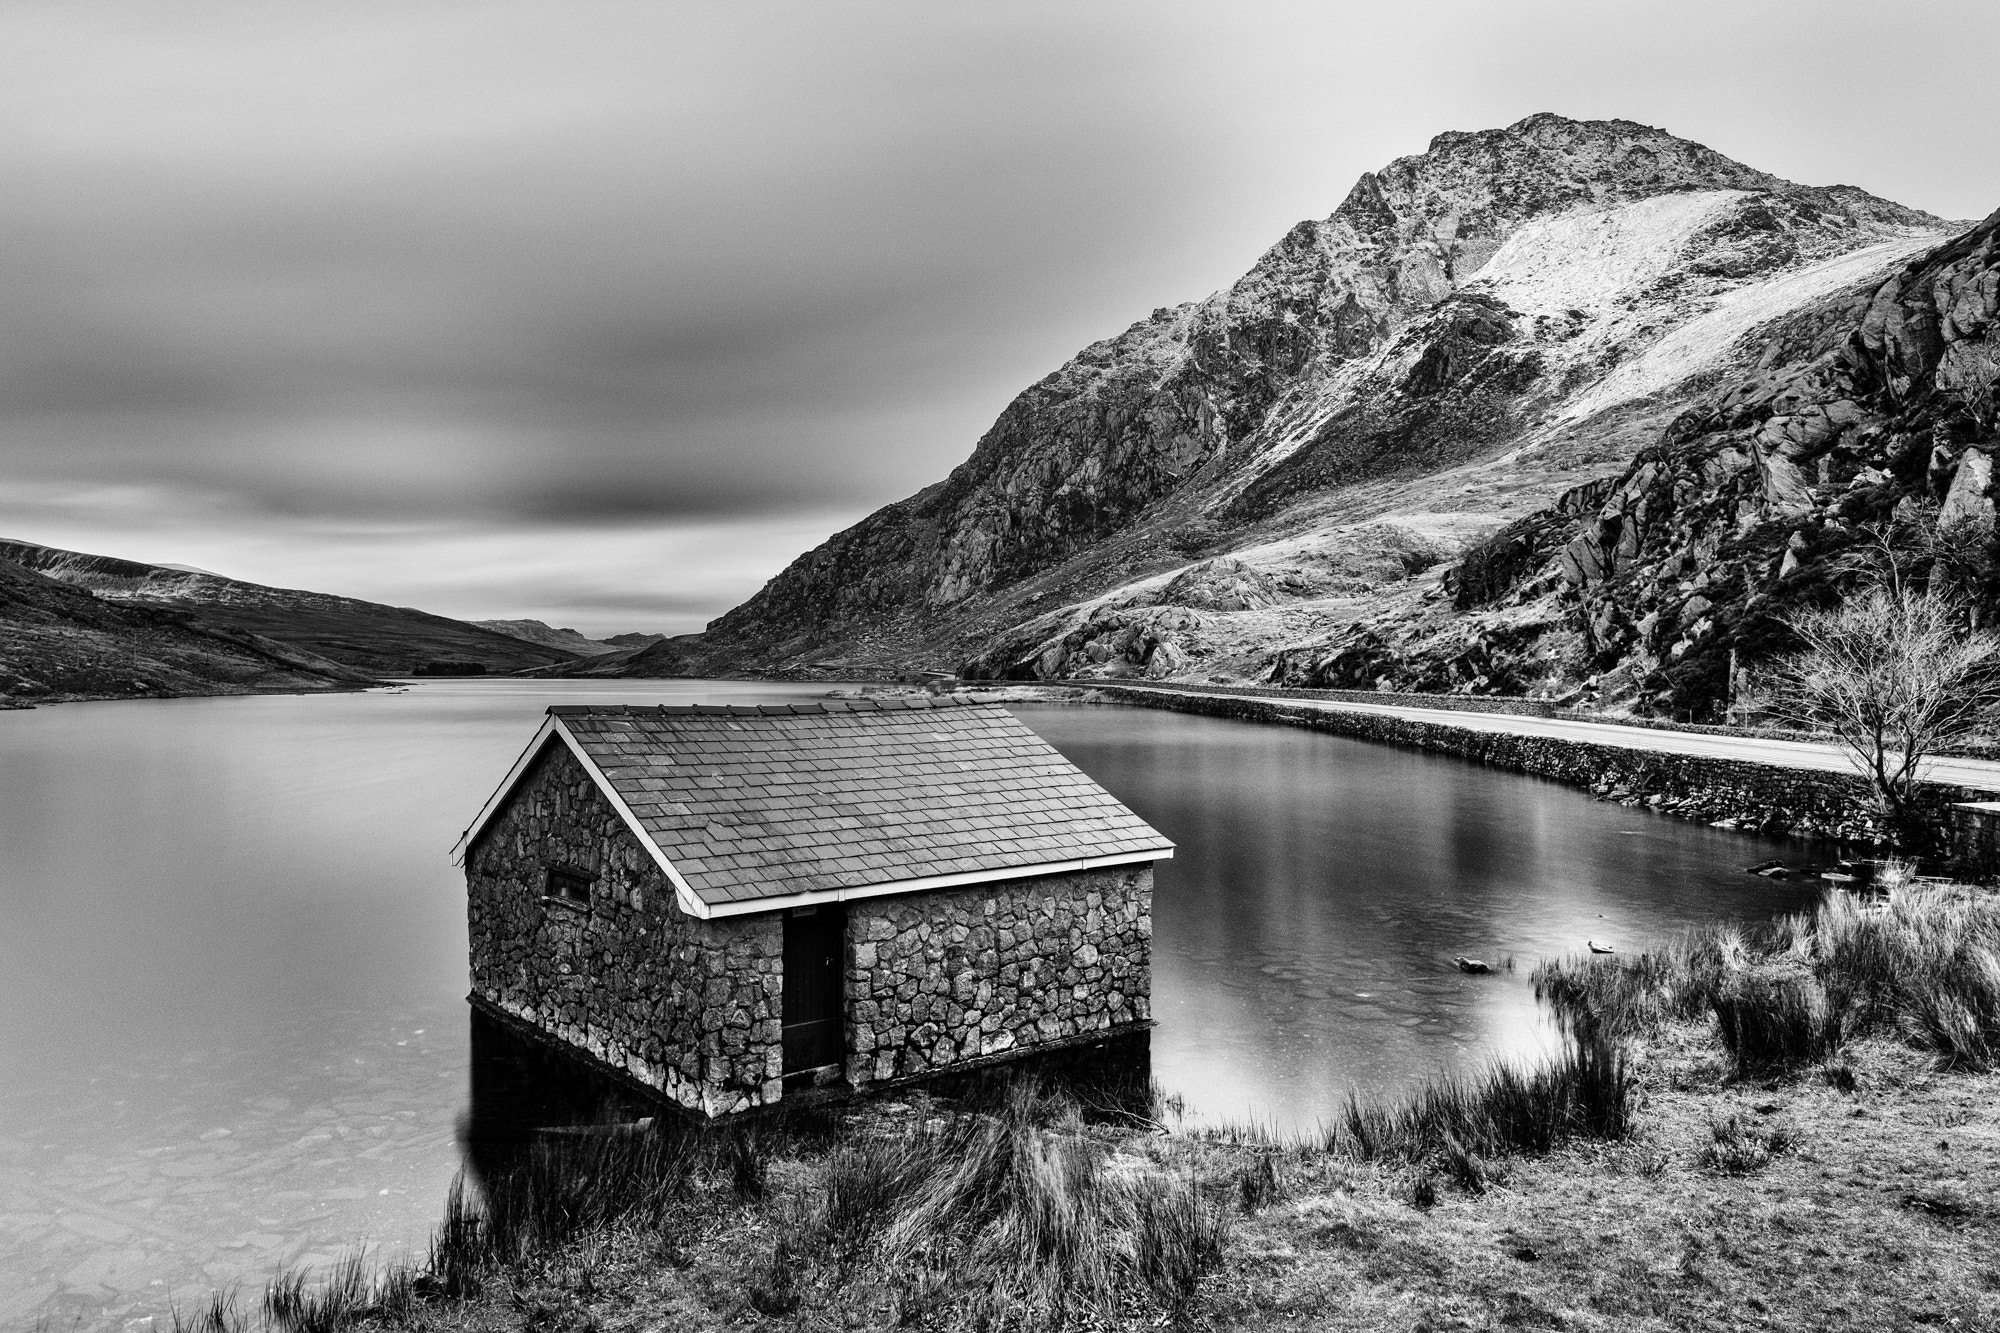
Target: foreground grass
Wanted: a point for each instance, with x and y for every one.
(1794, 1126)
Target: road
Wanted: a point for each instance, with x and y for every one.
(1981, 773)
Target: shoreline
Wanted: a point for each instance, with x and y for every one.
(1728, 792)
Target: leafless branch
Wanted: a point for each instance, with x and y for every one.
(1893, 675)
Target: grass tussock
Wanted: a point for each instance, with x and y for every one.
(1922, 964)
(567, 1185)
(349, 1294)
(1588, 1092)
(218, 1314)
(1028, 1204)
(1738, 1147)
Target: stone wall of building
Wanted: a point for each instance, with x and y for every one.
(936, 979)
(689, 1007)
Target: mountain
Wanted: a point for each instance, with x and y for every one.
(1228, 487)
(58, 641)
(367, 636)
(1866, 431)
(568, 640)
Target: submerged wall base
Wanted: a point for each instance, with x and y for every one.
(525, 1080)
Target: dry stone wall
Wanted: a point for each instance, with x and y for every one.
(1731, 792)
(941, 978)
(691, 1008)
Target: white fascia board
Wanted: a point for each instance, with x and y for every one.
(993, 876)
(503, 791)
(552, 730)
(689, 901)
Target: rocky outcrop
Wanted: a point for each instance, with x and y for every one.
(1111, 643)
(1220, 585)
(1472, 332)
(1873, 419)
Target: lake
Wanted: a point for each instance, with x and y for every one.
(232, 964)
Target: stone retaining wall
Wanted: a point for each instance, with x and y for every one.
(952, 975)
(1732, 792)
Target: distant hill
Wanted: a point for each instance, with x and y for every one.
(632, 640)
(367, 636)
(536, 631)
(59, 642)
(648, 657)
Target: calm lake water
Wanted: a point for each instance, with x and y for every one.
(232, 950)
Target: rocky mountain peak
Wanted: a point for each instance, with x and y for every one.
(1472, 331)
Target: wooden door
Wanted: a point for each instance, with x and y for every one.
(815, 966)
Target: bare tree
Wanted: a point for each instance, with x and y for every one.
(1894, 675)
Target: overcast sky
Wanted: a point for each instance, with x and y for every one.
(601, 313)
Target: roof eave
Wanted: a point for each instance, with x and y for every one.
(552, 731)
(751, 906)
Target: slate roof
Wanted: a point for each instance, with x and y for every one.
(749, 803)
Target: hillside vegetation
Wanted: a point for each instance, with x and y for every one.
(60, 642)
(365, 636)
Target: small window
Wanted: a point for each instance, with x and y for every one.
(567, 886)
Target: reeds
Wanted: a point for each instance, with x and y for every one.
(1588, 1092)
(1921, 963)
(219, 1314)
(1774, 1017)
(299, 1304)
(349, 1293)
(1021, 1215)
(566, 1185)
(1023, 1206)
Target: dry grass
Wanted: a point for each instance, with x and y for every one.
(1921, 964)
(1736, 1206)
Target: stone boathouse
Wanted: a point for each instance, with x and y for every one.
(726, 905)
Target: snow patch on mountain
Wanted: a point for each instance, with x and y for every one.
(1710, 339)
(1584, 262)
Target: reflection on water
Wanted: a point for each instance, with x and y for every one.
(1305, 929)
(232, 966)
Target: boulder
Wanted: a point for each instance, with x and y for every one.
(1222, 584)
